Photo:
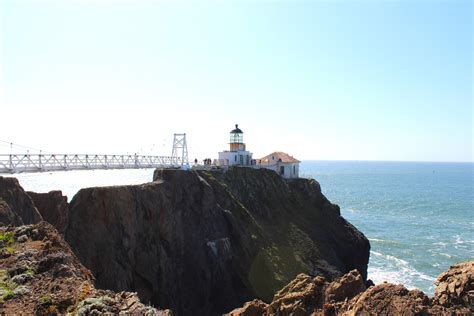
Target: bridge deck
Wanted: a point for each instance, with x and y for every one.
(17, 163)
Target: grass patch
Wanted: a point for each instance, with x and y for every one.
(7, 241)
(45, 300)
(30, 272)
(3, 274)
(7, 295)
(7, 238)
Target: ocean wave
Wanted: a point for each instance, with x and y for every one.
(459, 240)
(395, 270)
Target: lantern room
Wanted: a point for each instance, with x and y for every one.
(236, 139)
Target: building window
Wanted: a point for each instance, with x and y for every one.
(282, 170)
(294, 169)
(235, 158)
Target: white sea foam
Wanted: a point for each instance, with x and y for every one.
(395, 270)
(376, 239)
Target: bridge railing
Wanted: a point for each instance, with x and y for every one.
(16, 163)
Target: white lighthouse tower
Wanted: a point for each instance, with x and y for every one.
(237, 155)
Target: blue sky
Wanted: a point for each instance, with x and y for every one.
(349, 80)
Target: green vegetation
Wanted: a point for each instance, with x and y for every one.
(45, 306)
(45, 300)
(7, 238)
(30, 272)
(3, 274)
(6, 287)
(8, 294)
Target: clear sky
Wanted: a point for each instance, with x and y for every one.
(349, 80)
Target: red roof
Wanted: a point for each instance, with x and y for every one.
(278, 156)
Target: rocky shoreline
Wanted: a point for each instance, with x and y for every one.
(199, 243)
(348, 295)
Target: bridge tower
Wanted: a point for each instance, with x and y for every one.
(180, 150)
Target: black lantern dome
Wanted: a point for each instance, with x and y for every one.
(236, 130)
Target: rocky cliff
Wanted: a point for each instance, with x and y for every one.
(39, 273)
(305, 295)
(16, 207)
(53, 207)
(203, 242)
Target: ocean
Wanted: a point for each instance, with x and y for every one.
(418, 216)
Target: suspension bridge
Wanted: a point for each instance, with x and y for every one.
(16, 163)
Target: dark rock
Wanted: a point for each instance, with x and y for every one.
(7, 216)
(22, 238)
(17, 269)
(52, 260)
(16, 207)
(206, 242)
(4, 253)
(22, 278)
(53, 207)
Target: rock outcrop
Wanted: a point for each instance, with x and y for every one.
(348, 295)
(456, 286)
(53, 207)
(39, 274)
(205, 242)
(16, 207)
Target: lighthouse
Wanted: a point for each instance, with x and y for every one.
(237, 155)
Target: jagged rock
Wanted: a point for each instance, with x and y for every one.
(205, 242)
(53, 207)
(252, 308)
(347, 296)
(389, 299)
(16, 207)
(456, 286)
(346, 287)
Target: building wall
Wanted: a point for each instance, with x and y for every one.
(232, 158)
(291, 170)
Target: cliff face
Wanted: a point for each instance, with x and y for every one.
(16, 207)
(53, 207)
(205, 242)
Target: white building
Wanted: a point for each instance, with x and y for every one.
(237, 155)
(283, 164)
